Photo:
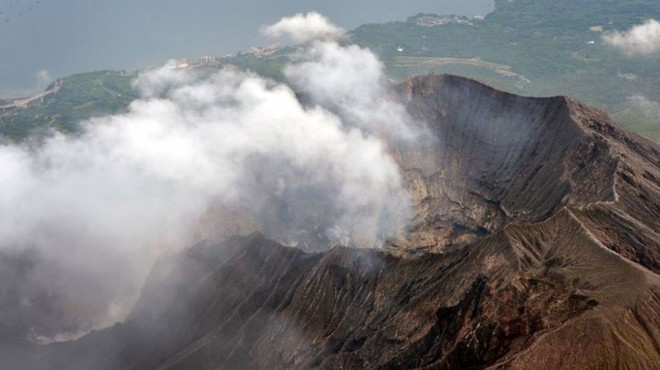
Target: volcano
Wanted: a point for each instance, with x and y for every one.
(534, 244)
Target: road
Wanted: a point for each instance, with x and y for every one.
(25, 102)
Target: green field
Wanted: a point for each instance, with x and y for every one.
(81, 97)
(534, 47)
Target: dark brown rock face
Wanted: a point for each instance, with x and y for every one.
(499, 158)
(545, 215)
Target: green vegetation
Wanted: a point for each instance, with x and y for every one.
(270, 67)
(80, 97)
(570, 16)
(534, 47)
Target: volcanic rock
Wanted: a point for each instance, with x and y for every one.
(535, 245)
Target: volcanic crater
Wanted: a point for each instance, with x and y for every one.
(534, 244)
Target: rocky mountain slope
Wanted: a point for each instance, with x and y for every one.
(534, 245)
(499, 159)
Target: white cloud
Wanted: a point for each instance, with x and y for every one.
(650, 108)
(304, 28)
(643, 39)
(135, 186)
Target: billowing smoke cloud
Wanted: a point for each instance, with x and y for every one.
(643, 39)
(304, 28)
(347, 79)
(101, 207)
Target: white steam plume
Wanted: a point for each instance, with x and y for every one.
(304, 28)
(346, 79)
(350, 81)
(101, 207)
(643, 39)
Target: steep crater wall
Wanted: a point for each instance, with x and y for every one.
(495, 158)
